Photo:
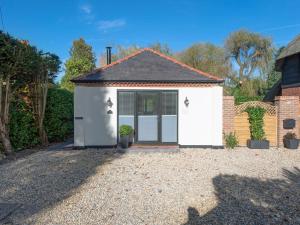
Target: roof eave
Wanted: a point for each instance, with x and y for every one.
(148, 81)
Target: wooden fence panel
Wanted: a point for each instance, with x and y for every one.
(241, 128)
(241, 124)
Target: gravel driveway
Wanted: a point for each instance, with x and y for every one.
(194, 186)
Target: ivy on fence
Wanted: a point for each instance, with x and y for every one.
(256, 120)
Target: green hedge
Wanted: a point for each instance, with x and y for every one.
(22, 129)
(58, 120)
(59, 114)
(241, 99)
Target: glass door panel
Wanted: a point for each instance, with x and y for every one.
(126, 110)
(169, 116)
(147, 113)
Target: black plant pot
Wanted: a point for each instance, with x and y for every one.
(255, 144)
(124, 141)
(131, 139)
(291, 143)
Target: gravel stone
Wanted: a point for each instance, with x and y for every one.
(193, 186)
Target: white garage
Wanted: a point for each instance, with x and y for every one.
(165, 101)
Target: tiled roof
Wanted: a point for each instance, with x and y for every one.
(292, 48)
(147, 65)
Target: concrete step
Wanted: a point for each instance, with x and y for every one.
(150, 149)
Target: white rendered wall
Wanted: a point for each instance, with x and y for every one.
(99, 128)
(199, 124)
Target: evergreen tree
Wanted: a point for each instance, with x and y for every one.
(82, 60)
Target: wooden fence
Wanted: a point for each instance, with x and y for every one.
(241, 123)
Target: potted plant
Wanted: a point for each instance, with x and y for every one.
(290, 141)
(125, 132)
(257, 133)
(131, 136)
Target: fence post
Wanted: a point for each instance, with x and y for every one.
(287, 108)
(228, 114)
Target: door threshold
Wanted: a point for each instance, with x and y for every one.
(136, 148)
(154, 146)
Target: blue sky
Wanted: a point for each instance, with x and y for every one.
(52, 25)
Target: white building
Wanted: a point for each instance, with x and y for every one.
(165, 101)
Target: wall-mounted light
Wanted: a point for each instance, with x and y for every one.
(109, 103)
(186, 102)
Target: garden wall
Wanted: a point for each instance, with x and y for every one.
(235, 119)
(228, 114)
(287, 108)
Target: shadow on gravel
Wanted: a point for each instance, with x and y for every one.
(245, 200)
(41, 180)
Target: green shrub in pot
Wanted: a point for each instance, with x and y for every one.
(125, 132)
(290, 141)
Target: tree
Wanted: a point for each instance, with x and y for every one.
(163, 48)
(251, 88)
(24, 75)
(82, 60)
(250, 51)
(12, 62)
(122, 52)
(40, 69)
(47, 67)
(273, 76)
(208, 58)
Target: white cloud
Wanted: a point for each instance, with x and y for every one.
(86, 8)
(281, 27)
(90, 18)
(109, 24)
(87, 12)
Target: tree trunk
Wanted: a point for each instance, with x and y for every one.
(8, 150)
(4, 120)
(39, 91)
(43, 109)
(43, 135)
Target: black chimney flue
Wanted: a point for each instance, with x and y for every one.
(108, 55)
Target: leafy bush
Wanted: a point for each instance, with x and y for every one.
(248, 90)
(231, 140)
(22, 129)
(59, 114)
(256, 120)
(241, 99)
(289, 136)
(125, 130)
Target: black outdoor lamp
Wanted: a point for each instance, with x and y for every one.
(186, 102)
(109, 103)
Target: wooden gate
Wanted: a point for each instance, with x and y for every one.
(241, 123)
